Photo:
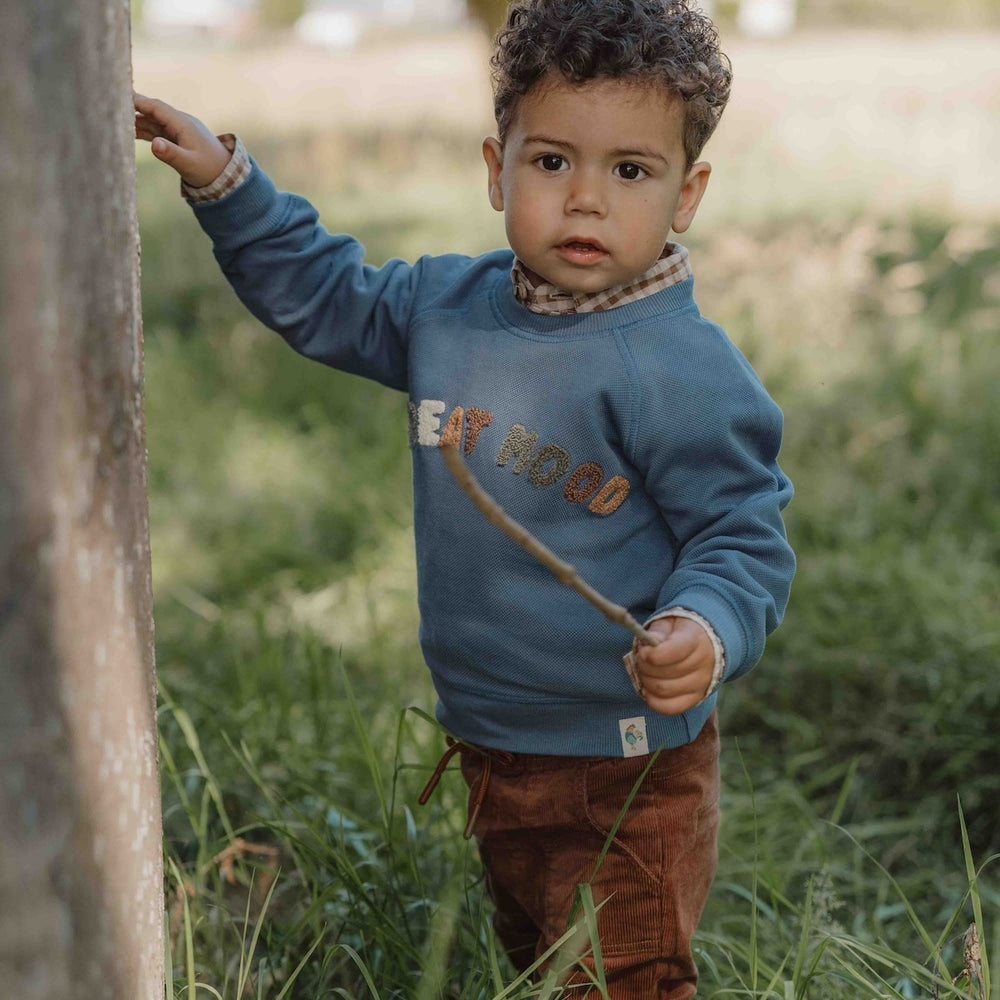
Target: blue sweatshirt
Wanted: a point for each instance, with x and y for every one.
(637, 443)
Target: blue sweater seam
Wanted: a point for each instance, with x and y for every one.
(635, 400)
(427, 314)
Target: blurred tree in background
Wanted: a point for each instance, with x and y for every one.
(491, 13)
(856, 13)
(910, 14)
(280, 13)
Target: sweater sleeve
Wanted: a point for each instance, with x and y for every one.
(707, 446)
(312, 287)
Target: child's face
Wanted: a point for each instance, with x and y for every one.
(591, 180)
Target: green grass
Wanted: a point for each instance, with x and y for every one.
(286, 621)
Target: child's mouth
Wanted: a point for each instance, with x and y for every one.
(582, 251)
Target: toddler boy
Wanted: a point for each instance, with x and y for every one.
(593, 401)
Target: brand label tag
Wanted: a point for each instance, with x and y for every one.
(633, 733)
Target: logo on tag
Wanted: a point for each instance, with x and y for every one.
(633, 733)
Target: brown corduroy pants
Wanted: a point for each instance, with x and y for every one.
(542, 825)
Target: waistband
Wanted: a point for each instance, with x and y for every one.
(670, 761)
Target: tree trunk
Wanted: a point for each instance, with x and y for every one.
(81, 889)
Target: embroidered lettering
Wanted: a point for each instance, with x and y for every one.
(549, 453)
(476, 421)
(583, 483)
(428, 422)
(451, 436)
(520, 443)
(546, 466)
(611, 496)
(411, 415)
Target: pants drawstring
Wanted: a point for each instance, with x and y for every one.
(475, 800)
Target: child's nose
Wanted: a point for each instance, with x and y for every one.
(586, 195)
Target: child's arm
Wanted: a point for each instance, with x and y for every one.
(180, 140)
(311, 287)
(707, 446)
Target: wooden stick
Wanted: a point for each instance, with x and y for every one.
(563, 571)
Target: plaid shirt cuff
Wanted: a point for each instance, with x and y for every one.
(540, 296)
(236, 171)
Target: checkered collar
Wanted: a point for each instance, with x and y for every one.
(538, 295)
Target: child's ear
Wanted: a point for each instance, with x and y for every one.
(694, 187)
(493, 155)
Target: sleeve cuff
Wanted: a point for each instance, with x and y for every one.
(718, 671)
(236, 171)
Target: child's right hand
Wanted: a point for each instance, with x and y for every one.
(180, 140)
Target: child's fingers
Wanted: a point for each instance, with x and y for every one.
(674, 648)
(182, 160)
(680, 672)
(170, 153)
(146, 128)
(671, 695)
(147, 107)
(151, 107)
(158, 113)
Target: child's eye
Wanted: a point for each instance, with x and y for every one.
(629, 171)
(552, 162)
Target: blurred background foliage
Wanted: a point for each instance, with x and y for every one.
(280, 14)
(850, 244)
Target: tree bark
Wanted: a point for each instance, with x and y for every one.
(81, 889)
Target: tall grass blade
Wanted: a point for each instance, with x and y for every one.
(363, 969)
(371, 760)
(755, 873)
(549, 953)
(800, 954)
(933, 952)
(776, 976)
(845, 791)
(244, 958)
(248, 953)
(549, 984)
(995, 950)
(442, 937)
(168, 961)
(875, 992)
(194, 745)
(188, 931)
(590, 922)
(868, 956)
(169, 767)
(977, 903)
(298, 968)
(210, 989)
(493, 961)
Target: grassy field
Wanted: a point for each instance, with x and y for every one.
(850, 246)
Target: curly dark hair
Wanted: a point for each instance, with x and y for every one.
(664, 42)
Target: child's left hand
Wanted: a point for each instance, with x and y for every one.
(677, 673)
(180, 140)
